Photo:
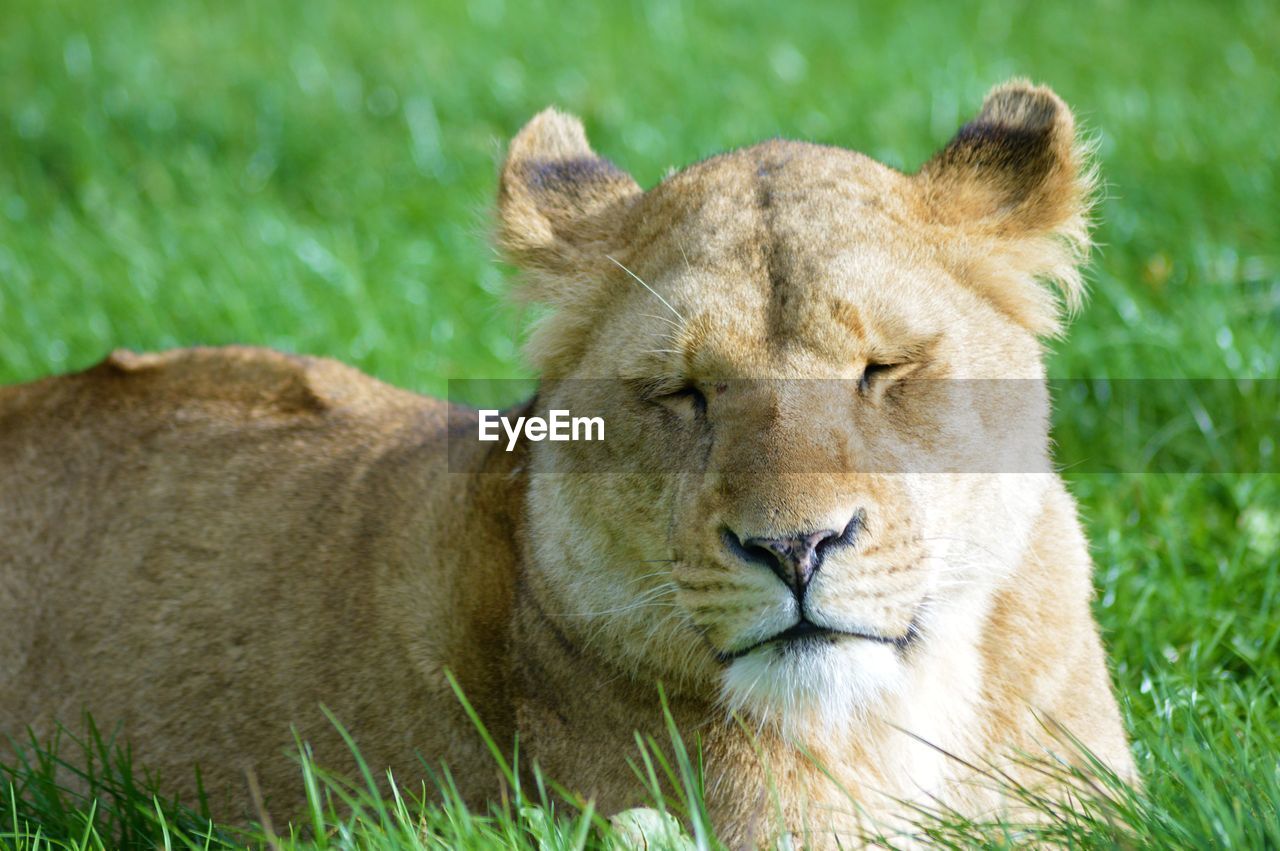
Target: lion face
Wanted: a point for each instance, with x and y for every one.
(822, 384)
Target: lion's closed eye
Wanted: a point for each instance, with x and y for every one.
(686, 400)
(878, 376)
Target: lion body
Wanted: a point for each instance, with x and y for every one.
(205, 546)
(202, 548)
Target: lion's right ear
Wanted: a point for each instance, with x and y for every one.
(559, 202)
(1017, 183)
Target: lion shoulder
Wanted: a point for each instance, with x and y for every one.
(229, 383)
(262, 380)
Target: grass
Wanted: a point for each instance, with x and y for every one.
(316, 176)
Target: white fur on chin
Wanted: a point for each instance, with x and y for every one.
(819, 688)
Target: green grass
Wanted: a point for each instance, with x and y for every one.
(316, 176)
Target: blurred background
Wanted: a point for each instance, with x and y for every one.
(317, 176)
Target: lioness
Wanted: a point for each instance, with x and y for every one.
(204, 546)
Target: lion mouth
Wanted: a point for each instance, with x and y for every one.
(804, 634)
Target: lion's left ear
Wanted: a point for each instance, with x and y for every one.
(558, 200)
(1016, 180)
(561, 207)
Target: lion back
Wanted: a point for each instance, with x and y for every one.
(154, 499)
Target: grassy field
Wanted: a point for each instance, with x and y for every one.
(316, 176)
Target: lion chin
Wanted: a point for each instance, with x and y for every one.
(813, 687)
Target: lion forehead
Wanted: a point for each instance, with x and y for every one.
(722, 210)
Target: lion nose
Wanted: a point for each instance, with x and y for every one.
(793, 558)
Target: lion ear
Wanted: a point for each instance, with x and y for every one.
(558, 200)
(1017, 181)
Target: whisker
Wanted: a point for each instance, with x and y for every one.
(687, 267)
(656, 294)
(620, 609)
(968, 542)
(651, 598)
(643, 577)
(674, 324)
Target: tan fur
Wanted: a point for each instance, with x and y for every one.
(203, 546)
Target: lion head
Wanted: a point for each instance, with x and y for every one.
(792, 507)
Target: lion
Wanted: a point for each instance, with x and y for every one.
(823, 569)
